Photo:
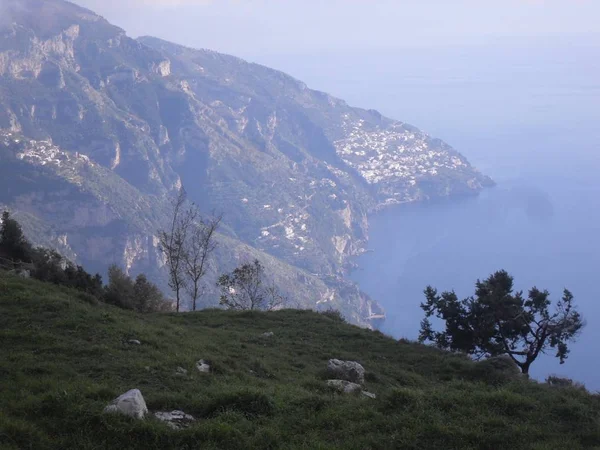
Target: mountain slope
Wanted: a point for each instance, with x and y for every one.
(91, 215)
(295, 171)
(64, 359)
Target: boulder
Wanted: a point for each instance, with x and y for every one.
(344, 386)
(346, 370)
(131, 404)
(348, 387)
(134, 342)
(203, 366)
(268, 334)
(175, 419)
(181, 371)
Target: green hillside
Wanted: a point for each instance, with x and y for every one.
(64, 357)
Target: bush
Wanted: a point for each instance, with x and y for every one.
(561, 382)
(247, 288)
(119, 291)
(77, 278)
(495, 371)
(140, 295)
(147, 297)
(334, 315)
(13, 244)
(403, 399)
(49, 266)
(43, 264)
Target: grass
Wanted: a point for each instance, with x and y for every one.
(64, 357)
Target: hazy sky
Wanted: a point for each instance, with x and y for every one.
(258, 27)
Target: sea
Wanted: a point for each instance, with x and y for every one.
(527, 113)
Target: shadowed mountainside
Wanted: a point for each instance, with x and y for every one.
(295, 171)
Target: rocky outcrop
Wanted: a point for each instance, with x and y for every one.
(346, 370)
(175, 419)
(344, 386)
(347, 387)
(203, 366)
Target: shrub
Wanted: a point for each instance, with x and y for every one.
(13, 244)
(561, 382)
(147, 297)
(372, 377)
(140, 295)
(402, 399)
(495, 371)
(247, 288)
(43, 264)
(120, 290)
(266, 439)
(334, 315)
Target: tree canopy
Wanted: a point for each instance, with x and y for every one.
(13, 244)
(498, 321)
(246, 288)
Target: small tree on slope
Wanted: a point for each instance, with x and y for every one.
(497, 321)
(246, 289)
(173, 241)
(199, 247)
(13, 244)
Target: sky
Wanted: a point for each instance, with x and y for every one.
(249, 28)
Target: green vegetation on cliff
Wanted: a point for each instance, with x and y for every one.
(64, 357)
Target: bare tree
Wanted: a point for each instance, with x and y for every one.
(173, 242)
(246, 289)
(199, 247)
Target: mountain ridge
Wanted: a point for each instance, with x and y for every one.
(296, 171)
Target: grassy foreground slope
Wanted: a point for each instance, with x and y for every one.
(63, 358)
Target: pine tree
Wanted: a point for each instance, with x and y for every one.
(498, 321)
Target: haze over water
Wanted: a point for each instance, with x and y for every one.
(525, 114)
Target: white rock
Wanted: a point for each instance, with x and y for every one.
(134, 342)
(175, 419)
(346, 370)
(131, 404)
(203, 366)
(268, 334)
(348, 387)
(344, 386)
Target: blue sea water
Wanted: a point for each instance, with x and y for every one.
(526, 114)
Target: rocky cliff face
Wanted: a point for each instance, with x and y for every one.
(113, 125)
